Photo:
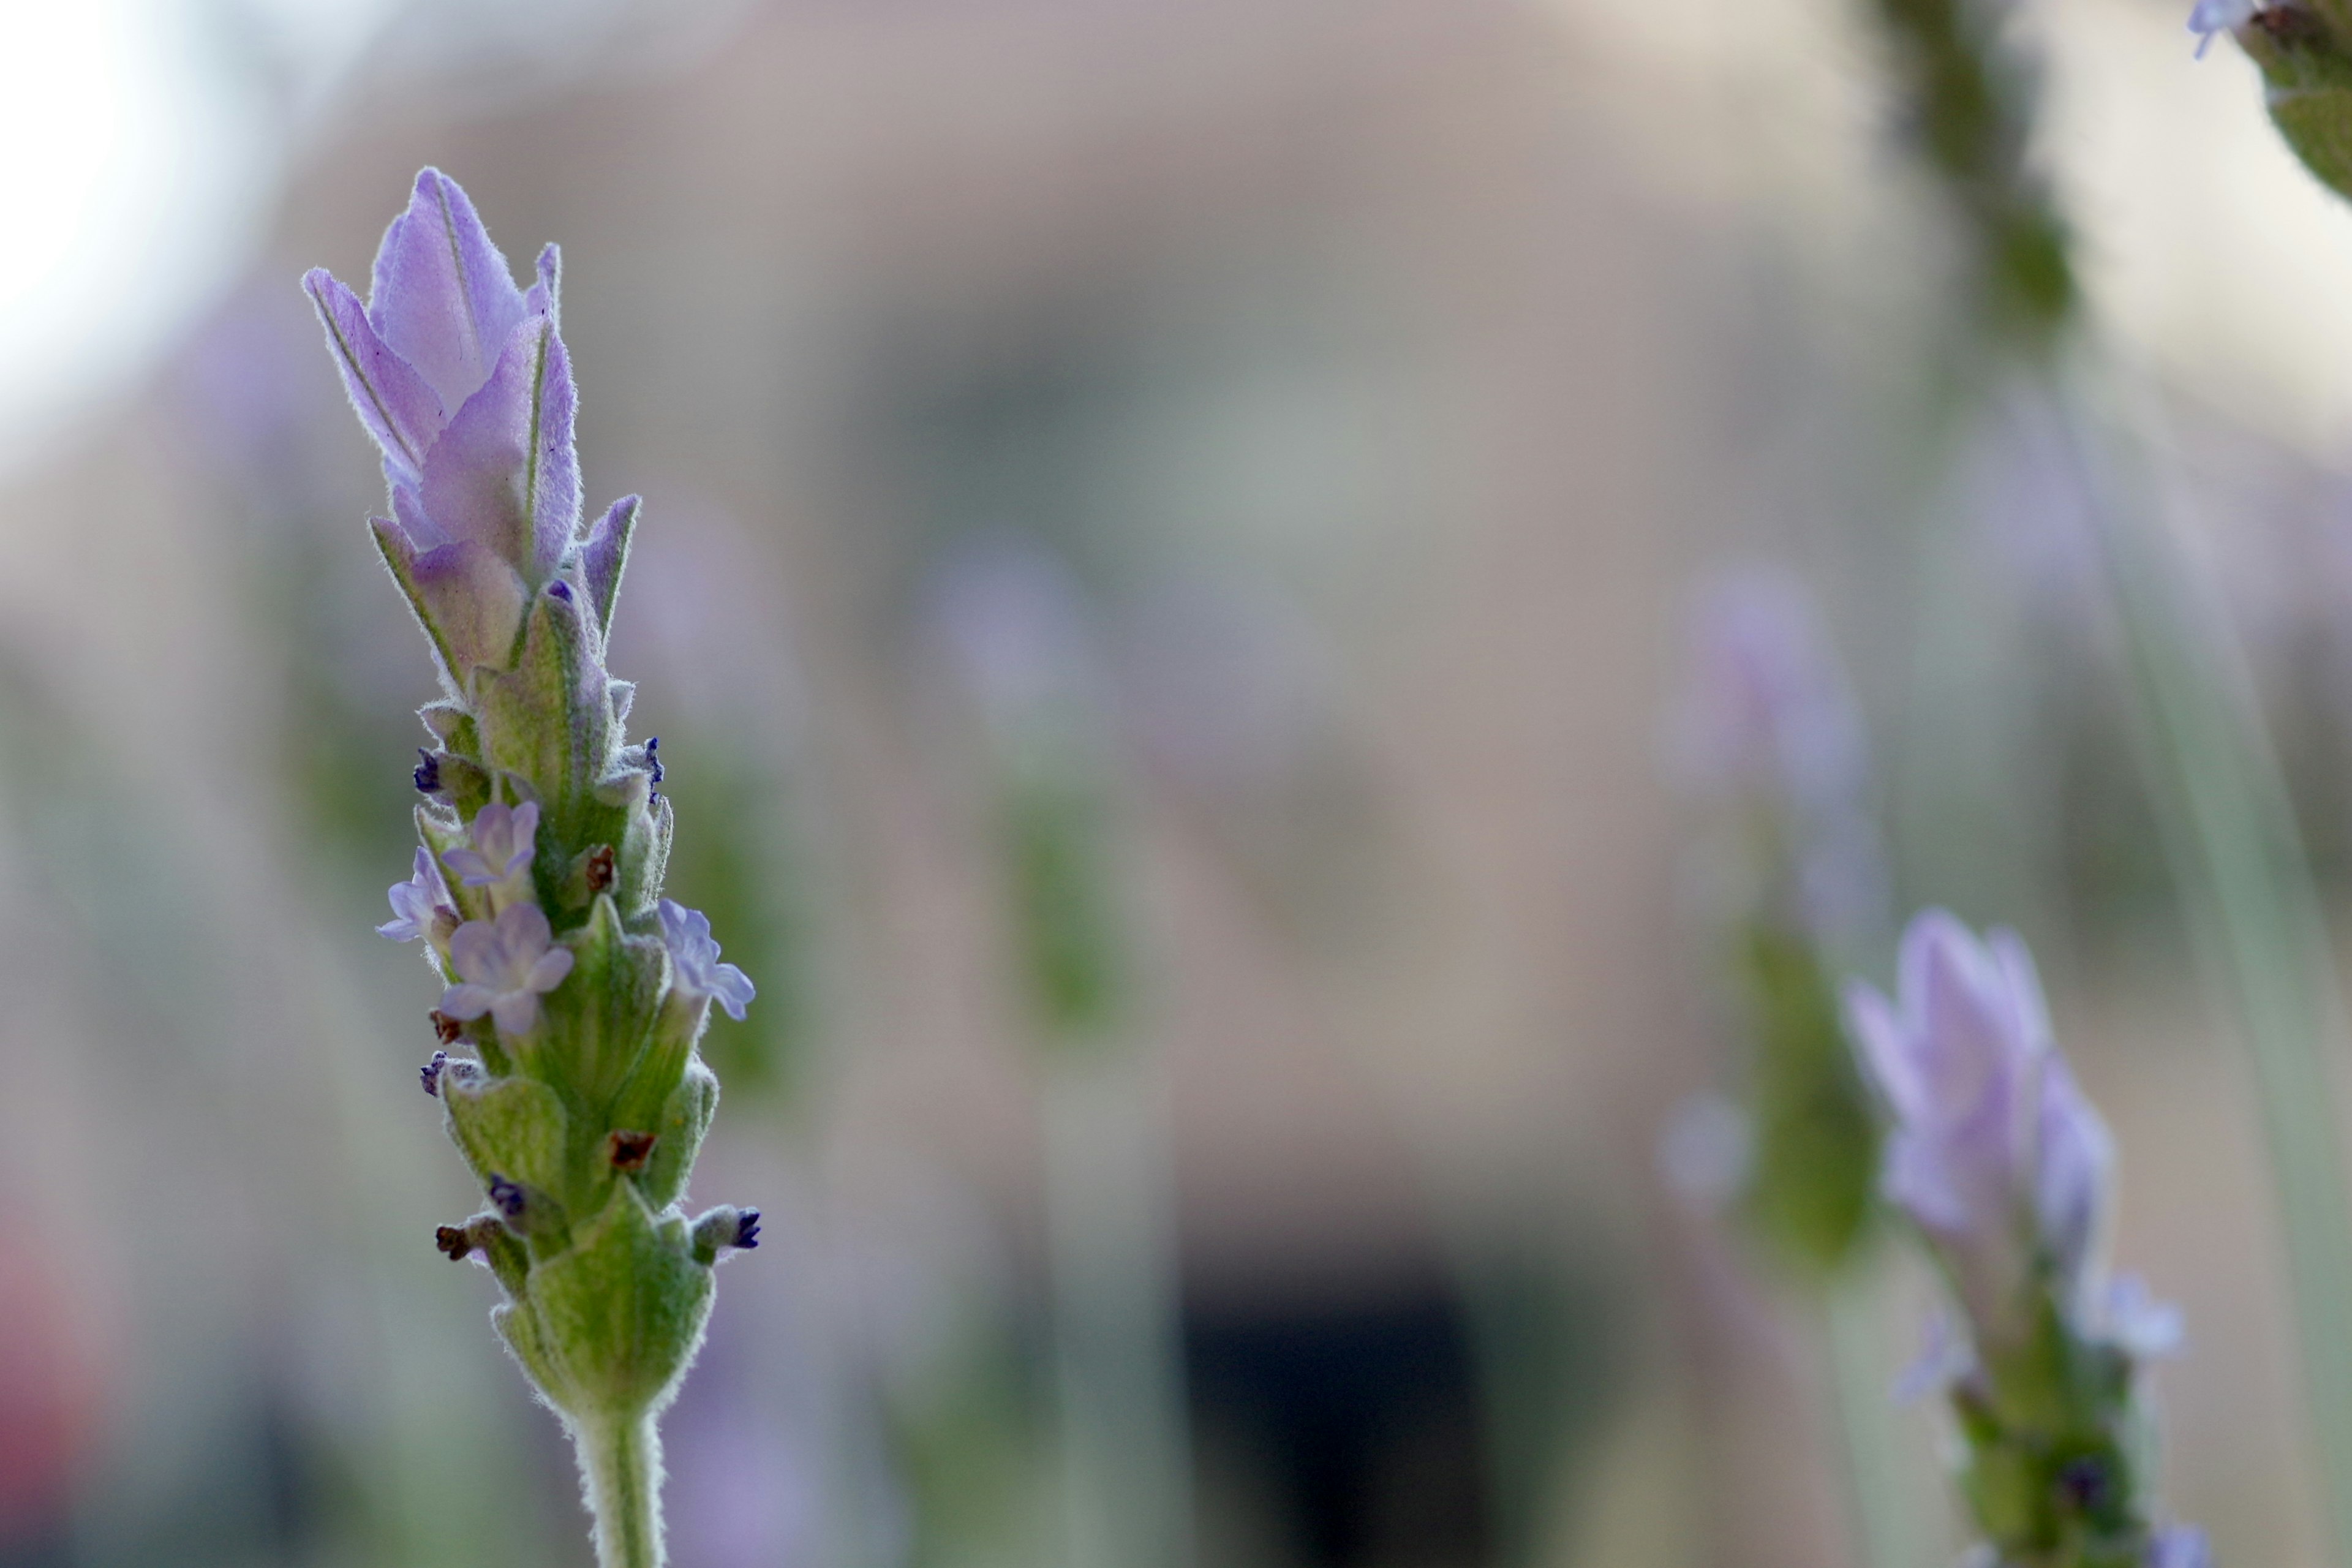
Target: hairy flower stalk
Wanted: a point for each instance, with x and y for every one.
(578, 990)
(2002, 1170)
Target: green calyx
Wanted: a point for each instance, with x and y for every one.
(2053, 1473)
(2306, 57)
(583, 1128)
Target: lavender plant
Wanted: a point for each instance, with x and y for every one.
(1772, 738)
(536, 889)
(2003, 1171)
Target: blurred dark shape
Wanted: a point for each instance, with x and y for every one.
(1364, 1413)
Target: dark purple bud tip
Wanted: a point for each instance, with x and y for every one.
(2085, 1484)
(506, 1197)
(560, 589)
(653, 755)
(453, 1241)
(431, 1073)
(427, 771)
(747, 1228)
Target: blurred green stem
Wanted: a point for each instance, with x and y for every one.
(1884, 1533)
(2248, 896)
(622, 1459)
(1126, 1463)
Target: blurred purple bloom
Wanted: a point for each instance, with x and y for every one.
(2209, 17)
(463, 380)
(414, 901)
(1994, 1153)
(1012, 616)
(2181, 1546)
(504, 839)
(694, 960)
(503, 967)
(1767, 720)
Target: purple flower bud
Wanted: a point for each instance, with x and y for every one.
(747, 1228)
(463, 381)
(695, 969)
(414, 901)
(504, 839)
(1994, 1153)
(506, 1196)
(503, 967)
(431, 1073)
(2180, 1546)
(427, 771)
(653, 757)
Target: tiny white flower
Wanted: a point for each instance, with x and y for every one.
(503, 967)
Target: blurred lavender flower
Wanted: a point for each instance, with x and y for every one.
(2182, 1546)
(2004, 1170)
(503, 967)
(415, 901)
(1768, 724)
(1994, 1153)
(695, 969)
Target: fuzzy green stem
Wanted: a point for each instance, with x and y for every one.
(621, 1462)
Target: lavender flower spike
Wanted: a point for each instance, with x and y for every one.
(694, 957)
(2004, 1170)
(583, 1001)
(1994, 1153)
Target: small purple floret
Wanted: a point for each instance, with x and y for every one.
(427, 771)
(431, 1073)
(695, 969)
(652, 756)
(560, 589)
(503, 967)
(414, 901)
(747, 1228)
(503, 841)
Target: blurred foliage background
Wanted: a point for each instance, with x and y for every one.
(1382, 376)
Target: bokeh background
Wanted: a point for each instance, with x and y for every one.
(1382, 378)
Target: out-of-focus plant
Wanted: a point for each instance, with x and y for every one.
(1011, 616)
(2003, 1171)
(1769, 735)
(536, 887)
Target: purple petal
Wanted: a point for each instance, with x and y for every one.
(400, 928)
(2071, 1180)
(474, 600)
(548, 972)
(394, 402)
(1884, 1049)
(467, 1002)
(523, 927)
(605, 555)
(473, 871)
(516, 1012)
(475, 475)
(545, 293)
(408, 510)
(441, 296)
(2180, 1546)
(734, 991)
(475, 951)
(555, 471)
